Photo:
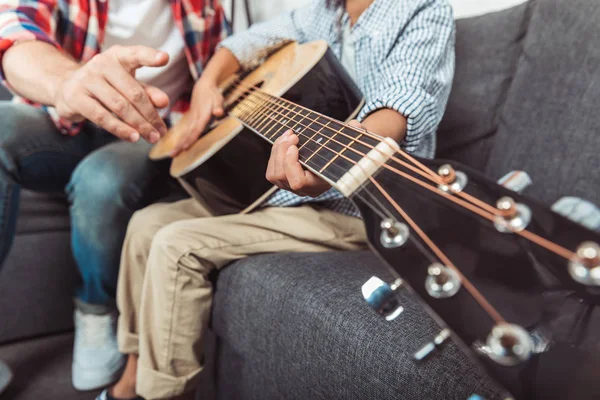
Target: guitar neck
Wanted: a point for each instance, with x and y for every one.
(326, 146)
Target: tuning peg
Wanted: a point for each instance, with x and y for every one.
(585, 267)
(382, 297)
(429, 348)
(442, 282)
(578, 210)
(513, 217)
(393, 233)
(517, 181)
(509, 344)
(453, 181)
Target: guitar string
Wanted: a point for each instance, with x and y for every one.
(381, 211)
(274, 100)
(249, 111)
(424, 170)
(483, 302)
(429, 243)
(528, 235)
(542, 242)
(428, 253)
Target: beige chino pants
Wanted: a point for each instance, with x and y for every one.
(164, 295)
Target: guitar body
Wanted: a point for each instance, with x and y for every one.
(230, 160)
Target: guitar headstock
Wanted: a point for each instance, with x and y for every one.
(515, 283)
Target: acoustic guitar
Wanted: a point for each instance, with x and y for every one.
(513, 283)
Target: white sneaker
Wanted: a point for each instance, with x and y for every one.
(96, 359)
(5, 376)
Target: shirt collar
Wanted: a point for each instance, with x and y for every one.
(375, 7)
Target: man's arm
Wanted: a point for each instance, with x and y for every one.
(26, 20)
(35, 80)
(35, 68)
(103, 90)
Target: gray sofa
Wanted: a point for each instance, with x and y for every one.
(293, 326)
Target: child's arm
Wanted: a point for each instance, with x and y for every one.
(247, 50)
(416, 77)
(251, 47)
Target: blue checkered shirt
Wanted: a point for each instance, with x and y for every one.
(404, 60)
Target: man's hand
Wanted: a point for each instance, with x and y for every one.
(105, 91)
(207, 102)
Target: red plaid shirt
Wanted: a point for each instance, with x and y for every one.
(77, 27)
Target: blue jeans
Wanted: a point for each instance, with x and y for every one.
(106, 180)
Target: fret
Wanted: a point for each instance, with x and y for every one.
(352, 141)
(289, 114)
(342, 145)
(245, 109)
(282, 116)
(277, 117)
(274, 122)
(261, 121)
(329, 147)
(300, 119)
(304, 120)
(311, 138)
(311, 147)
(266, 121)
(261, 113)
(327, 141)
(258, 118)
(236, 111)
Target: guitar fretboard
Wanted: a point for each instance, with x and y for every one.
(326, 145)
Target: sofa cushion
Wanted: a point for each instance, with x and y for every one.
(487, 51)
(36, 286)
(550, 123)
(4, 94)
(295, 326)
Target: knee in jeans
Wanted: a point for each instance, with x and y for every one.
(99, 182)
(17, 119)
(15, 122)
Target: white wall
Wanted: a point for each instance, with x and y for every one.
(260, 10)
(265, 9)
(468, 8)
